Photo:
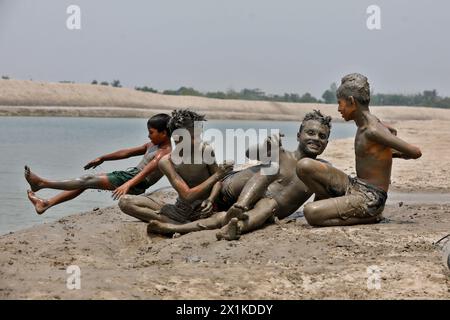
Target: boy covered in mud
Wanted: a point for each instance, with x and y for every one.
(132, 181)
(344, 200)
(191, 170)
(265, 195)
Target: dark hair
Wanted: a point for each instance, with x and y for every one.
(354, 85)
(317, 116)
(184, 118)
(160, 122)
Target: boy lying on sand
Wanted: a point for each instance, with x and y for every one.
(134, 180)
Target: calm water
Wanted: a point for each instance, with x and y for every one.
(58, 148)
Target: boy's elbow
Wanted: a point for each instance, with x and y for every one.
(186, 195)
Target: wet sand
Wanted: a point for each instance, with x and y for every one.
(287, 261)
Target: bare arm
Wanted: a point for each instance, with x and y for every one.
(207, 205)
(184, 191)
(380, 136)
(118, 155)
(391, 129)
(253, 152)
(148, 169)
(254, 190)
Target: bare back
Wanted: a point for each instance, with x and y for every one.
(373, 160)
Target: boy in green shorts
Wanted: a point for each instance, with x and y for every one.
(132, 181)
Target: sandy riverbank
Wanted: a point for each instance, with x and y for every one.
(287, 261)
(32, 98)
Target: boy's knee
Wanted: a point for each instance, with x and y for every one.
(125, 202)
(88, 178)
(306, 166)
(310, 212)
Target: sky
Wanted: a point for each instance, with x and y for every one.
(276, 46)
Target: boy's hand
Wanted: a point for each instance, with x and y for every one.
(399, 155)
(120, 191)
(206, 209)
(275, 139)
(94, 163)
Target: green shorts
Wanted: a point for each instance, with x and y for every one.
(118, 178)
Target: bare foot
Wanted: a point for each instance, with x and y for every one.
(158, 227)
(235, 212)
(231, 231)
(39, 204)
(34, 180)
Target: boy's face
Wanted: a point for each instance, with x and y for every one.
(347, 108)
(155, 136)
(313, 138)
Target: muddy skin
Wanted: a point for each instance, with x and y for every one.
(33, 180)
(192, 181)
(88, 181)
(375, 146)
(283, 196)
(231, 231)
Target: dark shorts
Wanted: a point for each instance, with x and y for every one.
(182, 211)
(364, 200)
(118, 178)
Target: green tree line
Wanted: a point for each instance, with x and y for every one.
(427, 98)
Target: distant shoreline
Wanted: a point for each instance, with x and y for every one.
(392, 114)
(31, 98)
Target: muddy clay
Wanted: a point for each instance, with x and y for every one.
(290, 260)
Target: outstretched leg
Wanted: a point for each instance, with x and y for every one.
(89, 181)
(264, 209)
(253, 191)
(143, 208)
(213, 222)
(41, 205)
(340, 211)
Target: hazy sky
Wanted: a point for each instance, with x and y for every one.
(277, 46)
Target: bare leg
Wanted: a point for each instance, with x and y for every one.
(325, 213)
(143, 208)
(213, 222)
(322, 179)
(41, 205)
(253, 191)
(89, 181)
(264, 209)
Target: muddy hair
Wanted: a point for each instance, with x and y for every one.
(354, 85)
(184, 119)
(317, 116)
